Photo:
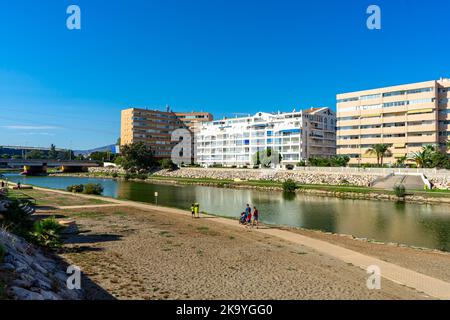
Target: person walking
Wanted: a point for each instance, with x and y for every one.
(255, 217)
(248, 213)
(193, 210)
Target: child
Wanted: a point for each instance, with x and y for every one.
(242, 219)
(249, 218)
(255, 217)
(193, 210)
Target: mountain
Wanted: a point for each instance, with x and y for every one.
(111, 148)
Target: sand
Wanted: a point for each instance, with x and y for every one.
(136, 254)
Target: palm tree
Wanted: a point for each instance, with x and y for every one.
(401, 160)
(420, 158)
(381, 150)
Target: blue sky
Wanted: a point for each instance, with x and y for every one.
(229, 56)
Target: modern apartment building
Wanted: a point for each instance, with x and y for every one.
(295, 136)
(155, 127)
(405, 117)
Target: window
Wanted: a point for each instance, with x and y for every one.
(371, 96)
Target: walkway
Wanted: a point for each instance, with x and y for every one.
(431, 286)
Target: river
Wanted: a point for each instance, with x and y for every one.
(411, 224)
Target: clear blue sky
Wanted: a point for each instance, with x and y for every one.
(229, 56)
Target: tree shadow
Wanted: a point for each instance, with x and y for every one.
(92, 238)
(91, 290)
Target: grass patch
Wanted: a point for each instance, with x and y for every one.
(87, 214)
(166, 234)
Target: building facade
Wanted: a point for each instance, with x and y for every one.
(295, 136)
(405, 117)
(155, 128)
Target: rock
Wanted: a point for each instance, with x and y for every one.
(38, 268)
(48, 295)
(7, 266)
(22, 283)
(24, 294)
(67, 294)
(44, 284)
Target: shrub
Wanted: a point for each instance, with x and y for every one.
(114, 175)
(75, 188)
(142, 176)
(127, 176)
(301, 163)
(289, 186)
(46, 233)
(93, 188)
(16, 220)
(400, 190)
(168, 164)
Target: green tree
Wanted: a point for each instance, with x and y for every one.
(429, 157)
(52, 154)
(420, 158)
(401, 160)
(267, 157)
(137, 156)
(381, 150)
(168, 164)
(35, 154)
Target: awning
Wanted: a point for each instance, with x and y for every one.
(420, 111)
(371, 115)
(399, 155)
(290, 131)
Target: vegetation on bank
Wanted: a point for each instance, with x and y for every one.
(15, 219)
(89, 188)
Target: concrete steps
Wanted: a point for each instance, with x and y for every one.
(410, 182)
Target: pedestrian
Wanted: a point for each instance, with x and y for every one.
(197, 210)
(18, 185)
(255, 217)
(193, 210)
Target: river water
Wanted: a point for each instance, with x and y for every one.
(411, 224)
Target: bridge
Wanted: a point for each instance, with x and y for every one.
(31, 167)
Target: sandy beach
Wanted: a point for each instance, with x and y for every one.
(137, 254)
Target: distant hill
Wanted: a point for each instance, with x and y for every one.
(111, 148)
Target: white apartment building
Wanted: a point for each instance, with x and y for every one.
(295, 136)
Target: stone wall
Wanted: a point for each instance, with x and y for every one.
(32, 274)
(108, 170)
(332, 178)
(440, 182)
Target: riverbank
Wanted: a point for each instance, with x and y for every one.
(104, 226)
(157, 254)
(344, 191)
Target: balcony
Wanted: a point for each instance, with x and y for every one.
(422, 139)
(394, 130)
(422, 128)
